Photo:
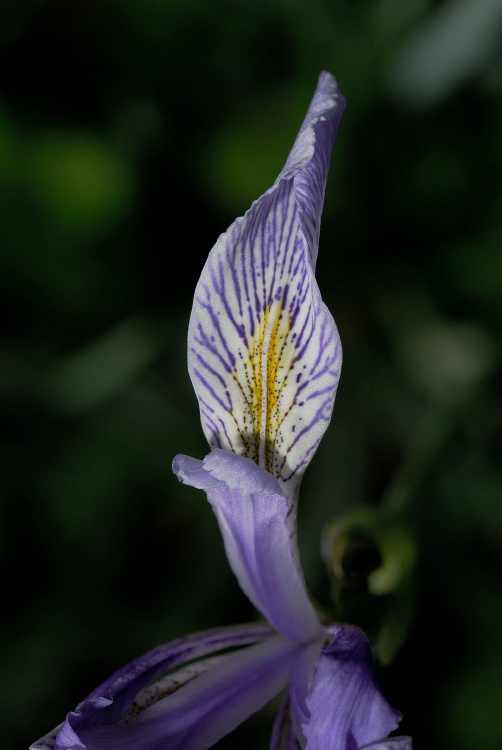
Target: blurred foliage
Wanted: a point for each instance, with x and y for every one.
(131, 135)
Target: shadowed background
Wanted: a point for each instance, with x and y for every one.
(131, 135)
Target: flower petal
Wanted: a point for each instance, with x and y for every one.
(111, 701)
(252, 510)
(264, 353)
(301, 678)
(343, 680)
(391, 743)
(206, 709)
(283, 735)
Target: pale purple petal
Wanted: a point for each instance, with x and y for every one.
(207, 708)
(251, 510)
(111, 701)
(347, 709)
(264, 353)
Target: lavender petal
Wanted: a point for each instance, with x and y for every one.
(252, 512)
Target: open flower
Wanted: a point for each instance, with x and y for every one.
(264, 358)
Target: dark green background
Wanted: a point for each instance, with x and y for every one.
(131, 135)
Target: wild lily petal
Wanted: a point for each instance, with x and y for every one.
(252, 510)
(113, 699)
(347, 709)
(207, 708)
(264, 353)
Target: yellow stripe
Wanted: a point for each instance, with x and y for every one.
(261, 376)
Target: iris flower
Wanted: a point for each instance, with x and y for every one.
(264, 357)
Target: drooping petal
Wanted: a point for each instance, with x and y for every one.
(207, 708)
(347, 709)
(252, 510)
(264, 353)
(111, 701)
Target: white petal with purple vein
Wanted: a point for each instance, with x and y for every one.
(264, 353)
